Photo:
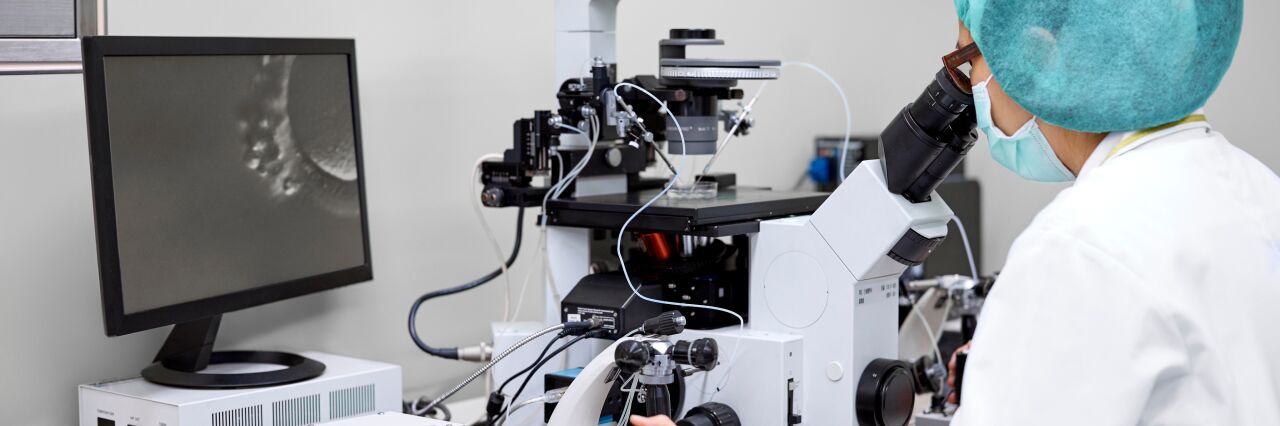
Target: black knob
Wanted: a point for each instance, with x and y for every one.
(968, 325)
(666, 324)
(701, 353)
(693, 33)
(492, 197)
(920, 369)
(657, 401)
(710, 414)
(631, 356)
(886, 394)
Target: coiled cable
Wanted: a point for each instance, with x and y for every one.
(452, 353)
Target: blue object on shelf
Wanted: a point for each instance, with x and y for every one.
(820, 170)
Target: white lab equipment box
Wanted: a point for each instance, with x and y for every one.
(349, 387)
(390, 419)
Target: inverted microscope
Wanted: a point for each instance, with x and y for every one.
(803, 286)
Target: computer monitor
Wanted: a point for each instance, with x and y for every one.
(227, 174)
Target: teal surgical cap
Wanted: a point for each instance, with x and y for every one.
(1106, 65)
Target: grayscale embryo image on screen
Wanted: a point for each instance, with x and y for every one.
(230, 173)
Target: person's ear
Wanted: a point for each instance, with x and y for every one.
(980, 71)
(965, 36)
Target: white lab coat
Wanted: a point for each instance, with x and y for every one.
(1147, 293)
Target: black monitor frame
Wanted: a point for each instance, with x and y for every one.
(116, 321)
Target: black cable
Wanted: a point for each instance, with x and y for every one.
(497, 405)
(452, 353)
(533, 364)
(515, 398)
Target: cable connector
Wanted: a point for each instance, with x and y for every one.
(495, 404)
(578, 328)
(478, 353)
(553, 396)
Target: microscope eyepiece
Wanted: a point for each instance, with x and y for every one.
(925, 142)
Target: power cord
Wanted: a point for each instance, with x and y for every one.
(453, 352)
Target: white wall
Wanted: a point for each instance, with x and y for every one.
(440, 84)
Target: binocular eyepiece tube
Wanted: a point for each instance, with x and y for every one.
(927, 140)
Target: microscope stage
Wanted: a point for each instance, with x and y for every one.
(733, 212)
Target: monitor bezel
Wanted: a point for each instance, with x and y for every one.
(116, 321)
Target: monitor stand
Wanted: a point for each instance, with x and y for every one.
(189, 349)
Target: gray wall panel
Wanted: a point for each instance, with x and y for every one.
(37, 18)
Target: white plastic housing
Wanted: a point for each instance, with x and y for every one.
(349, 387)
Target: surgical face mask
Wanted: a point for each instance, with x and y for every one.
(1026, 152)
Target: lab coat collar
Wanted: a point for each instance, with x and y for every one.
(1105, 149)
(1100, 153)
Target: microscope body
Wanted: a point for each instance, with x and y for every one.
(830, 278)
(821, 342)
(820, 345)
(823, 315)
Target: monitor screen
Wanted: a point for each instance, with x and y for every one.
(230, 175)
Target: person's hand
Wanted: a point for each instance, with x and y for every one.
(652, 421)
(951, 373)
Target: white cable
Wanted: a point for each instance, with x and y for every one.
(622, 232)
(848, 116)
(563, 185)
(933, 339)
(554, 192)
(547, 276)
(559, 187)
(488, 232)
(542, 248)
(742, 116)
(592, 140)
(524, 285)
(973, 266)
(631, 396)
(523, 404)
(488, 378)
(560, 164)
(546, 397)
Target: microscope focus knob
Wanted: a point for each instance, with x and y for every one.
(702, 353)
(492, 197)
(886, 394)
(668, 323)
(631, 356)
(711, 414)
